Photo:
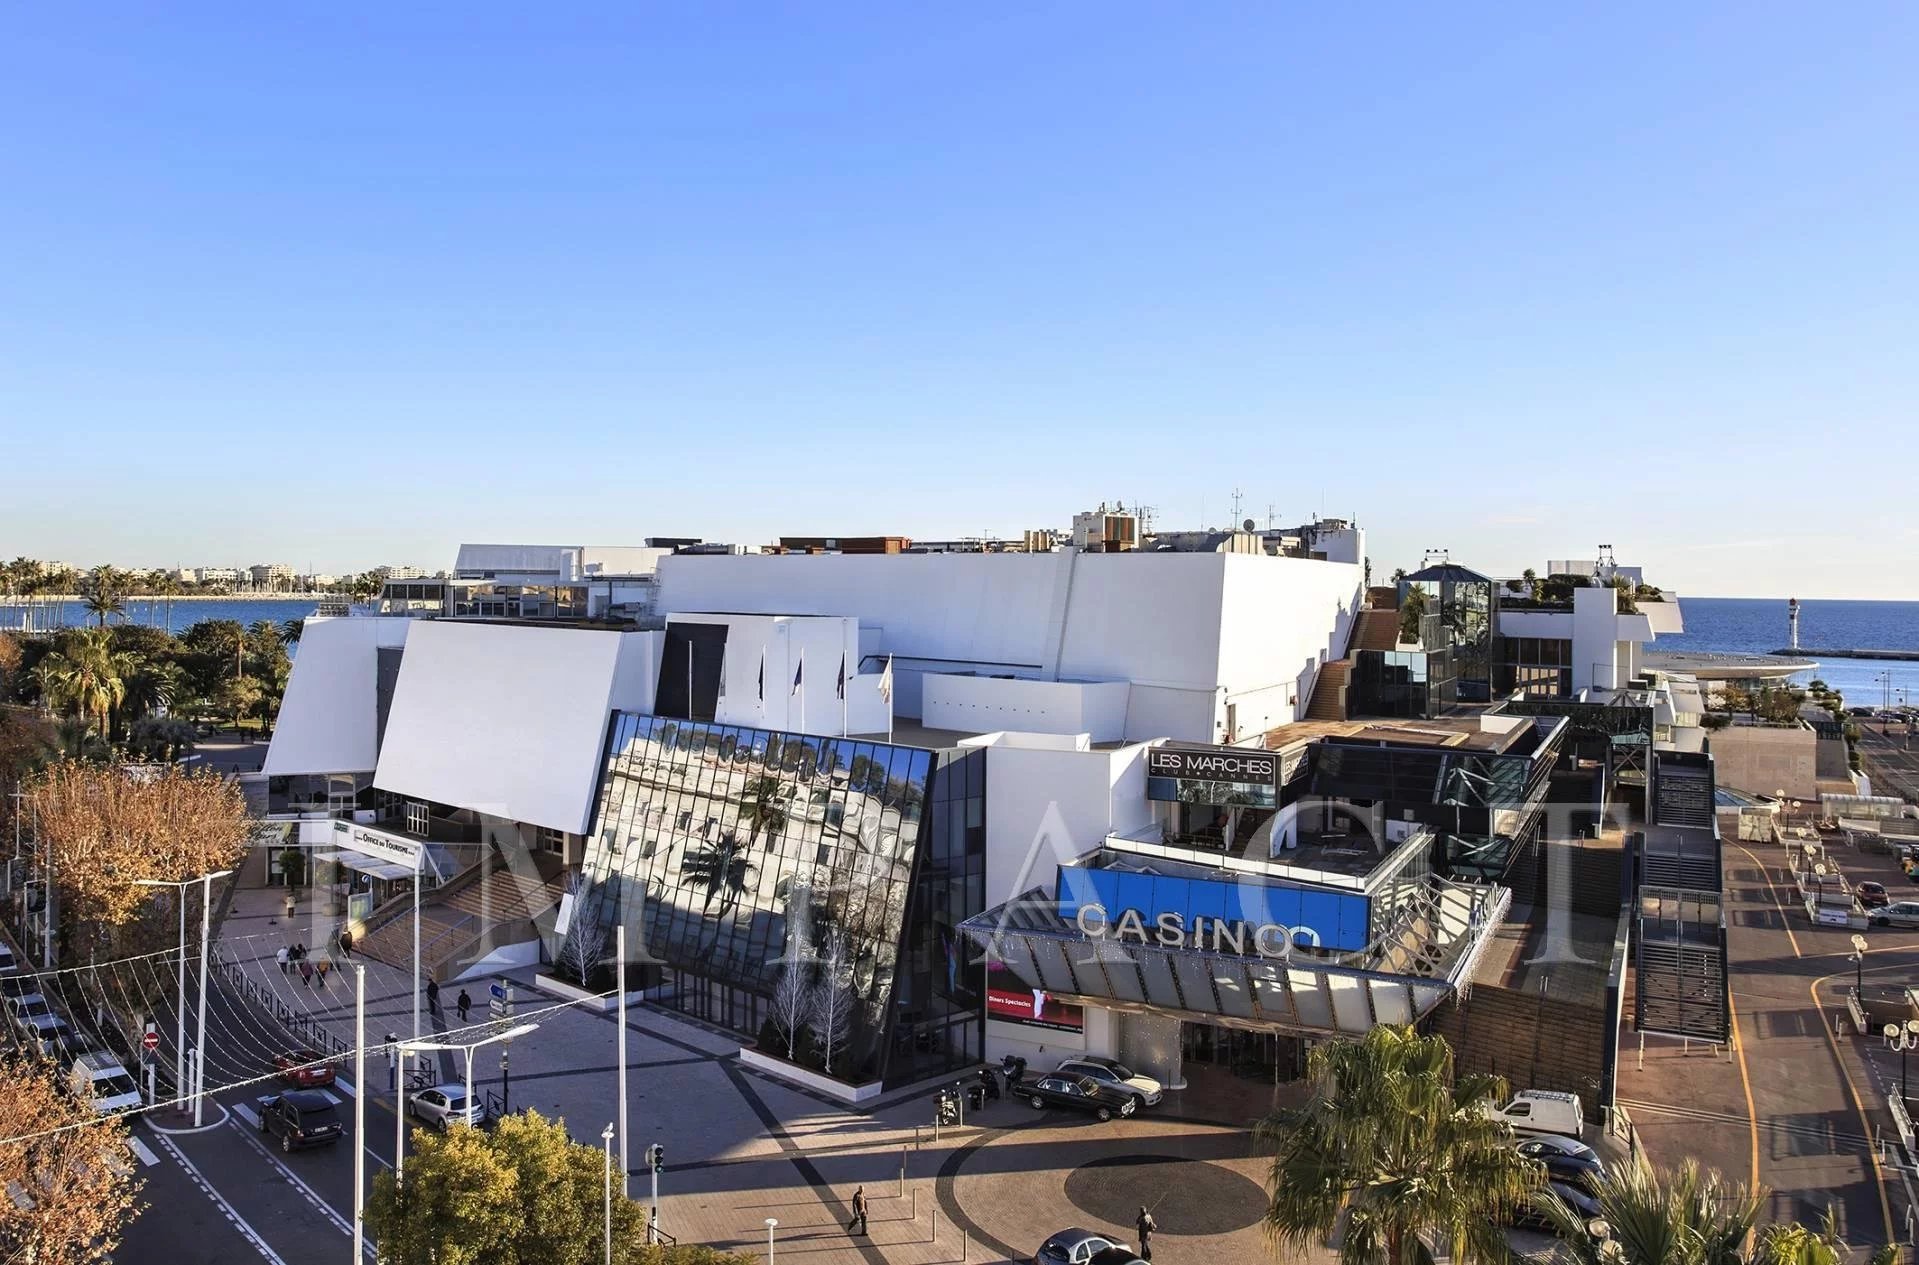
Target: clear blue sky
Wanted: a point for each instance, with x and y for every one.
(342, 285)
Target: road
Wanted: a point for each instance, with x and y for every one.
(1886, 758)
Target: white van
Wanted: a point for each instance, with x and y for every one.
(1542, 1111)
(98, 1078)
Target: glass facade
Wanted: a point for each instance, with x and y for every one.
(728, 852)
(1533, 667)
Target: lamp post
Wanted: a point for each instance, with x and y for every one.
(180, 1034)
(359, 1111)
(1859, 967)
(1902, 1038)
(772, 1224)
(466, 1048)
(606, 1142)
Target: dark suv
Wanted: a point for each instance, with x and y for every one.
(300, 1118)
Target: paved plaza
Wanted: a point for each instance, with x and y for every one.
(743, 1147)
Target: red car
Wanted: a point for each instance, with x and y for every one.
(304, 1069)
(1871, 895)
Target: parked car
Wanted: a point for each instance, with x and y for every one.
(1566, 1159)
(26, 1007)
(304, 1069)
(97, 1078)
(48, 1033)
(1082, 1093)
(1144, 1089)
(444, 1106)
(1542, 1111)
(1121, 1255)
(1900, 913)
(300, 1118)
(1528, 1216)
(1872, 895)
(18, 985)
(1072, 1247)
(7, 962)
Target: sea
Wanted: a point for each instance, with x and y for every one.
(152, 611)
(1753, 625)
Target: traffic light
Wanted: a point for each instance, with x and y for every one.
(656, 1157)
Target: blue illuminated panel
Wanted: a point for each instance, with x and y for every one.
(1342, 919)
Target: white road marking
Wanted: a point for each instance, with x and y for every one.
(313, 1197)
(144, 1152)
(247, 1114)
(239, 1223)
(331, 1097)
(345, 1087)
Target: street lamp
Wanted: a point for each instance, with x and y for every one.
(180, 1036)
(772, 1224)
(399, 1105)
(1902, 1039)
(1859, 967)
(606, 1143)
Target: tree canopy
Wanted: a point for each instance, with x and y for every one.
(72, 1167)
(522, 1194)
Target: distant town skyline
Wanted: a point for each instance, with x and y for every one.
(353, 287)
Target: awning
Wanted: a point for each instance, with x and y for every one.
(1429, 957)
(364, 864)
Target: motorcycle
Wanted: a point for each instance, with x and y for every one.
(1013, 1068)
(989, 1083)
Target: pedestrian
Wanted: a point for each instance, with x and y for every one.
(346, 941)
(1145, 1225)
(281, 958)
(320, 969)
(306, 972)
(859, 1212)
(464, 1003)
(433, 997)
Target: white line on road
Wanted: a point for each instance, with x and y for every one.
(143, 1151)
(345, 1087)
(332, 1097)
(239, 1223)
(247, 1114)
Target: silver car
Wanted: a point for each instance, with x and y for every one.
(444, 1106)
(1901, 913)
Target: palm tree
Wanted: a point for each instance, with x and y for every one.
(237, 696)
(1689, 1216)
(88, 679)
(1394, 1143)
(153, 687)
(292, 629)
(765, 809)
(105, 594)
(75, 739)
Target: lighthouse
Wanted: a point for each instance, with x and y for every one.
(1792, 620)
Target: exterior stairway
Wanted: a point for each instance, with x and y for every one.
(492, 908)
(1329, 691)
(1378, 630)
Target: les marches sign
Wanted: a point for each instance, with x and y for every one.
(1213, 764)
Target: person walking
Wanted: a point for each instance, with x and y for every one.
(463, 1002)
(433, 997)
(306, 972)
(346, 941)
(859, 1212)
(320, 969)
(281, 958)
(1145, 1225)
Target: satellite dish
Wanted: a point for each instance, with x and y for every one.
(1250, 525)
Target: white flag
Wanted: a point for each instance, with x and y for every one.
(886, 680)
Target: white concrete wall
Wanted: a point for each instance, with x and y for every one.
(1178, 626)
(329, 720)
(636, 673)
(823, 642)
(977, 704)
(504, 719)
(1277, 626)
(1596, 640)
(1047, 806)
(1762, 760)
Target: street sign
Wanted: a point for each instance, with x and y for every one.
(150, 1042)
(499, 991)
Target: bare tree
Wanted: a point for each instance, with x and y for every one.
(829, 1006)
(585, 947)
(792, 1000)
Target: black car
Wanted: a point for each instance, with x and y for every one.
(1072, 1247)
(1527, 1215)
(18, 985)
(1121, 1255)
(1083, 1093)
(1566, 1159)
(300, 1118)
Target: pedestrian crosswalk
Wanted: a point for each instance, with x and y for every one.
(143, 1152)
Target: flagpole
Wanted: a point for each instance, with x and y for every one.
(843, 684)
